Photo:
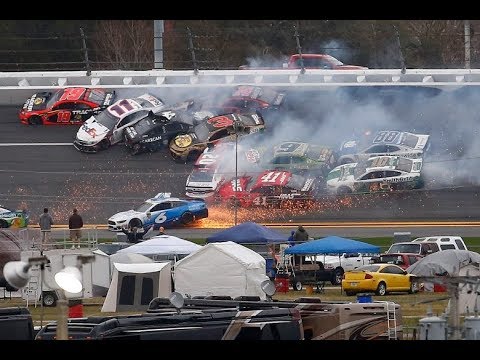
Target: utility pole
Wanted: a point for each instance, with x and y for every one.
(158, 29)
(466, 24)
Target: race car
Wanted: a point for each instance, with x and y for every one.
(188, 147)
(270, 189)
(69, 106)
(13, 218)
(386, 142)
(101, 131)
(161, 210)
(302, 158)
(379, 173)
(154, 132)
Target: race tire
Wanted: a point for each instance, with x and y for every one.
(35, 120)
(49, 298)
(3, 224)
(104, 144)
(187, 218)
(135, 222)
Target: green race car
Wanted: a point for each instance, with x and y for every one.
(13, 218)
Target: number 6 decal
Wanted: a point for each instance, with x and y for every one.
(161, 218)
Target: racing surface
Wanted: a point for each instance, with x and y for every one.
(39, 167)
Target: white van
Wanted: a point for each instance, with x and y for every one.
(444, 242)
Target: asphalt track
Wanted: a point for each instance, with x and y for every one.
(40, 168)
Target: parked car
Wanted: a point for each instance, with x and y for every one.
(161, 210)
(101, 131)
(13, 218)
(380, 173)
(386, 142)
(419, 248)
(444, 242)
(379, 278)
(188, 146)
(69, 106)
(404, 260)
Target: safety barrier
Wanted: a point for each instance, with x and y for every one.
(19, 85)
(59, 238)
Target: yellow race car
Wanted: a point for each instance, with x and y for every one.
(378, 278)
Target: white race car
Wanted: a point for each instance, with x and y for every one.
(101, 131)
(161, 210)
(386, 142)
(380, 173)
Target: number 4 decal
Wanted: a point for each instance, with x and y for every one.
(161, 218)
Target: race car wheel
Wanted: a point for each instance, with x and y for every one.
(135, 222)
(187, 218)
(35, 120)
(3, 224)
(381, 289)
(344, 190)
(104, 144)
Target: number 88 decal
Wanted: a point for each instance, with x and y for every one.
(386, 136)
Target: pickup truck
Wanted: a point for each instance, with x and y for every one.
(310, 61)
(404, 260)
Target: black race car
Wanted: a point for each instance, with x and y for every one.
(155, 131)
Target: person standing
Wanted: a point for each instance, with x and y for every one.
(75, 223)
(45, 223)
(161, 231)
(301, 235)
(291, 238)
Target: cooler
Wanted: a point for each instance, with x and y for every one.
(75, 309)
(282, 283)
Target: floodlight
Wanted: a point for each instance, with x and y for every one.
(69, 279)
(268, 287)
(17, 273)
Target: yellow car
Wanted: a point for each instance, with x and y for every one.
(378, 278)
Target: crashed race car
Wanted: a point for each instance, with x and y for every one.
(161, 210)
(69, 106)
(269, 189)
(13, 218)
(380, 173)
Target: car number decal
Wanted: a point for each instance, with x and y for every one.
(161, 217)
(220, 121)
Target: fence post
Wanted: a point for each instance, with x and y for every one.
(192, 51)
(299, 49)
(85, 51)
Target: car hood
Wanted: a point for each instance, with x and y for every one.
(92, 131)
(124, 215)
(37, 102)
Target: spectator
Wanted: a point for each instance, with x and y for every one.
(45, 223)
(75, 223)
(161, 231)
(134, 234)
(300, 235)
(291, 238)
(147, 227)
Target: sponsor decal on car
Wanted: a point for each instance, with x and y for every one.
(38, 101)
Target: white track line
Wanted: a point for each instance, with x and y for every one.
(36, 144)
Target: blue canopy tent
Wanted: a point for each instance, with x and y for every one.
(249, 233)
(332, 245)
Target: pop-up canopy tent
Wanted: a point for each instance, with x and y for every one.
(332, 245)
(162, 247)
(248, 233)
(224, 268)
(133, 286)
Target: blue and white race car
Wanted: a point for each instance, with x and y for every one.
(161, 210)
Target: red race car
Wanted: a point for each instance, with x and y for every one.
(270, 188)
(69, 106)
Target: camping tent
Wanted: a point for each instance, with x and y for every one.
(162, 247)
(223, 268)
(248, 233)
(332, 245)
(133, 286)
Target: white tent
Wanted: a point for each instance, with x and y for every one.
(133, 286)
(224, 268)
(162, 247)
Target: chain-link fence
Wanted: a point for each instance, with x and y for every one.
(216, 45)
